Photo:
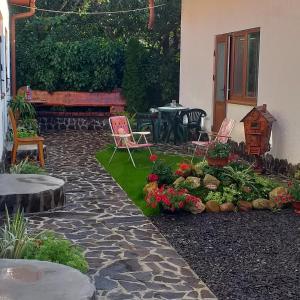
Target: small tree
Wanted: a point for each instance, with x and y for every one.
(134, 81)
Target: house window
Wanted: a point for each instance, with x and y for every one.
(243, 66)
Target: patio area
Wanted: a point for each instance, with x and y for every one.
(127, 255)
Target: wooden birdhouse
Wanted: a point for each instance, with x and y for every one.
(258, 126)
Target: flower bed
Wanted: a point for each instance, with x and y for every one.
(201, 187)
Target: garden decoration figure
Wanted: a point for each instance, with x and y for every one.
(124, 137)
(258, 127)
(221, 137)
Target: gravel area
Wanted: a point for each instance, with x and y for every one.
(253, 255)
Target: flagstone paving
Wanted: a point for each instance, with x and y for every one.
(127, 255)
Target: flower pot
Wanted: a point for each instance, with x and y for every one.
(217, 162)
(296, 206)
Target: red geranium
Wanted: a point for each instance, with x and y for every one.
(153, 157)
(184, 166)
(152, 177)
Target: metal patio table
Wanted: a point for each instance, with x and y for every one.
(167, 120)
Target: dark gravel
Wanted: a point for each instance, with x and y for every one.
(253, 255)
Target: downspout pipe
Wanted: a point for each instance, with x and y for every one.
(14, 18)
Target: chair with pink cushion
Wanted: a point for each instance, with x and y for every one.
(124, 137)
(222, 136)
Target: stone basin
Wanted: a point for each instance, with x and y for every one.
(39, 280)
(33, 193)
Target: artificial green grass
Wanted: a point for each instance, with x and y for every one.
(132, 180)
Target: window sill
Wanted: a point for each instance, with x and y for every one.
(247, 102)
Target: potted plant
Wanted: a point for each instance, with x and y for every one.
(218, 154)
(22, 109)
(294, 192)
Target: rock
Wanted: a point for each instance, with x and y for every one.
(272, 205)
(198, 208)
(211, 187)
(198, 169)
(227, 207)
(212, 206)
(279, 191)
(150, 187)
(244, 205)
(260, 203)
(211, 180)
(193, 182)
(178, 181)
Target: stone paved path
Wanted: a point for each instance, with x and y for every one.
(128, 257)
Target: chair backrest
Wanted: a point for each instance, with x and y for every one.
(13, 123)
(225, 130)
(120, 125)
(196, 115)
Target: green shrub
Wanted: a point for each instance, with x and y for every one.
(21, 108)
(163, 171)
(26, 167)
(26, 133)
(219, 150)
(14, 237)
(134, 81)
(214, 196)
(89, 65)
(50, 247)
(264, 186)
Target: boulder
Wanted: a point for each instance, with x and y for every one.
(198, 169)
(212, 206)
(211, 180)
(260, 203)
(150, 187)
(197, 208)
(211, 187)
(227, 207)
(193, 182)
(279, 191)
(244, 205)
(178, 181)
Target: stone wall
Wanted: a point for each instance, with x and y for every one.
(271, 164)
(71, 123)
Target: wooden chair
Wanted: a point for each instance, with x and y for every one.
(36, 140)
(222, 136)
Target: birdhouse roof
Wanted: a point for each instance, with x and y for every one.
(263, 111)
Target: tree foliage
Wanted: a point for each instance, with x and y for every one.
(67, 51)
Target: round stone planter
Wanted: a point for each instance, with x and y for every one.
(31, 279)
(31, 193)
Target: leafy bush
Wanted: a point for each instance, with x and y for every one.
(21, 108)
(25, 133)
(50, 247)
(214, 196)
(134, 82)
(219, 150)
(88, 65)
(264, 186)
(26, 167)
(163, 171)
(14, 236)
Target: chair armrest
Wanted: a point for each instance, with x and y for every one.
(211, 133)
(142, 132)
(125, 135)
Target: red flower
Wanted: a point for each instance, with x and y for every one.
(153, 157)
(179, 172)
(152, 177)
(181, 204)
(184, 167)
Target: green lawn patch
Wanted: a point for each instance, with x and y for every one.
(132, 180)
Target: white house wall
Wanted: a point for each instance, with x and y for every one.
(279, 84)
(5, 66)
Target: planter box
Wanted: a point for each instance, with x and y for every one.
(217, 162)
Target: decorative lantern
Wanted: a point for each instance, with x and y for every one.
(258, 126)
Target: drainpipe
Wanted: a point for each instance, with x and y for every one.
(14, 18)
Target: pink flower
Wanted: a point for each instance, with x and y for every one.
(152, 177)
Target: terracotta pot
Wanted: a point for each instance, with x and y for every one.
(296, 206)
(217, 162)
